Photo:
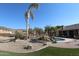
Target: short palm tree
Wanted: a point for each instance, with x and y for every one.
(29, 14)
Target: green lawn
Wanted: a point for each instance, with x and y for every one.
(49, 51)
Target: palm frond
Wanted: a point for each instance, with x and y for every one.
(31, 15)
(26, 15)
(33, 5)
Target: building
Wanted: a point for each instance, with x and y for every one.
(4, 32)
(71, 31)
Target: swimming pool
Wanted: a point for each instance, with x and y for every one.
(59, 39)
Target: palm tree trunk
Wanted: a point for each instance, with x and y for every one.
(27, 32)
(27, 27)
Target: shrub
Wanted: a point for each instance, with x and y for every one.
(45, 38)
(19, 35)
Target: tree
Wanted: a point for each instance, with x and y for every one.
(51, 30)
(48, 30)
(30, 31)
(29, 14)
(38, 31)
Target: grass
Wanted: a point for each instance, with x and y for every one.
(49, 51)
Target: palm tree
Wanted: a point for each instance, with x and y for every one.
(39, 31)
(48, 30)
(51, 30)
(29, 14)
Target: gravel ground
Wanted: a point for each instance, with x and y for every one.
(19, 45)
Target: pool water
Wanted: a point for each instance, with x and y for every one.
(59, 39)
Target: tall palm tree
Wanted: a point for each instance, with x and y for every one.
(29, 14)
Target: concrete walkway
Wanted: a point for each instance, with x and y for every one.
(71, 44)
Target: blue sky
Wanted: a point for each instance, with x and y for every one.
(12, 15)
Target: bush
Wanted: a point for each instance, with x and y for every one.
(44, 38)
(19, 35)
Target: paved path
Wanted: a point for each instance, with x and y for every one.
(72, 44)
